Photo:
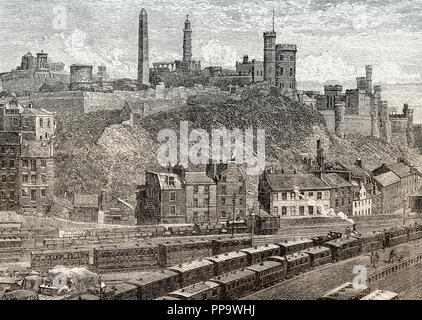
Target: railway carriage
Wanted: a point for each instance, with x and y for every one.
(236, 284)
(414, 232)
(318, 256)
(344, 248)
(321, 240)
(199, 291)
(223, 245)
(125, 291)
(395, 236)
(289, 247)
(268, 272)
(381, 295)
(156, 284)
(228, 261)
(193, 272)
(370, 242)
(181, 251)
(46, 259)
(126, 256)
(262, 253)
(297, 263)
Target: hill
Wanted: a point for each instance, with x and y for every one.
(97, 151)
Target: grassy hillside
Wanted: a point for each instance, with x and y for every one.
(97, 151)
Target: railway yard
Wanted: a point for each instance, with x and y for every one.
(299, 274)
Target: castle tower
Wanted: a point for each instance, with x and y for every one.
(339, 112)
(286, 67)
(375, 110)
(409, 129)
(187, 41)
(368, 79)
(143, 60)
(42, 64)
(269, 57)
(385, 124)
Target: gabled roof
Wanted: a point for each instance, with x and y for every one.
(85, 201)
(302, 181)
(197, 178)
(336, 181)
(387, 179)
(36, 112)
(400, 169)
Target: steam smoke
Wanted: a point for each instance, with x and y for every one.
(324, 212)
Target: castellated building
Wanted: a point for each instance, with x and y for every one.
(362, 111)
(253, 69)
(280, 63)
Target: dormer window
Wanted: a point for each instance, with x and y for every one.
(171, 181)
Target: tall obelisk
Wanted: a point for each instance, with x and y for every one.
(143, 61)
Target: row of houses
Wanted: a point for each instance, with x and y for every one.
(218, 193)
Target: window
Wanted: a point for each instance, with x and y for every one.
(291, 71)
(292, 211)
(15, 121)
(3, 164)
(336, 202)
(240, 201)
(293, 195)
(172, 195)
(24, 193)
(276, 211)
(25, 178)
(195, 203)
(48, 123)
(33, 178)
(33, 165)
(311, 194)
(311, 209)
(195, 216)
(283, 211)
(41, 122)
(195, 189)
(12, 195)
(3, 149)
(207, 189)
(240, 189)
(284, 196)
(43, 178)
(224, 178)
(171, 181)
(206, 202)
(223, 214)
(302, 210)
(11, 164)
(223, 189)
(223, 201)
(319, 195)
(24, 163)
(173, 210)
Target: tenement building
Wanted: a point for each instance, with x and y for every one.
(27, 158)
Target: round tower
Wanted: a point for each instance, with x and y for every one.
(339, 112)
(368, 79)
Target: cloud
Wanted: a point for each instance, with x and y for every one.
(214, 52)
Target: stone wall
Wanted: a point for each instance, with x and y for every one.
(353, 124)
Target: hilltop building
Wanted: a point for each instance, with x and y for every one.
(362, 111)
(254, 69)
(280, 63)
(187, 62)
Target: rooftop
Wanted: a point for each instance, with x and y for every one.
(233, 276)
(198, 178)
(336, 181)
(387, 179)
(301, 181)
(36, 149)
(191, 265)
(195, 289)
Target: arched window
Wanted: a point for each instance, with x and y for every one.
(282, 71)
(291, 71)
(41, 122)
(48, 123)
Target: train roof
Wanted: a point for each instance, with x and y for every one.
(289, 243)
(340, 241)
(179, 242)
(315, 250)
(123, 246)
(367, 234)
(167, 298)
(227, 256)
(194, 289)
(156, 276)
(64, 250)
(264, 266)
(277, 259)
(233, 276)
(260, 248)
(191, 265)
(381, 295)
(296, 256)
(344, 292)
(123, 287)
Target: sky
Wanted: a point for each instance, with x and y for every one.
(335, 38)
